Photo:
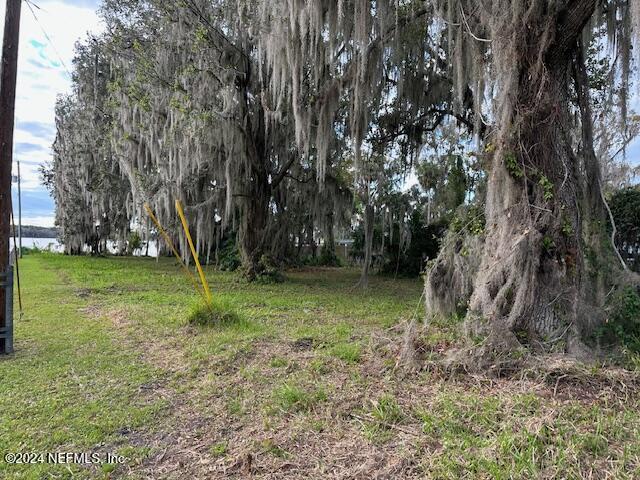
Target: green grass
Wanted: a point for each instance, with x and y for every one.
(70, 385)
(219, 449)
(278, 362)
(384, 413)
(109, 359)
(292, 398)
(519, 433)
(347, 352)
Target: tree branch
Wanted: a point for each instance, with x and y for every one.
(283, 171)
(569, 24)
(614, 231)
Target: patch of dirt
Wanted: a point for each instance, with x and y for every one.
(162, 352)
(305, 343)
(569, 379)
(83, 292)
(93, 312)
(278, 446)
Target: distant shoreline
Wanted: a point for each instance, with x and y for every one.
(31, 231)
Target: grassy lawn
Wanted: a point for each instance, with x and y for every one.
(70, 386)
(303, 385)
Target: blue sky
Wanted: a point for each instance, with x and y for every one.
(41, 77)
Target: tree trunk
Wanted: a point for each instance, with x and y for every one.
(534, 286)
(329, 256)
(311, 239)
(254, 206)
(382, 230)
(368, 245)
(527, 289)
(300, 241)
(256, 190)
(330, 241)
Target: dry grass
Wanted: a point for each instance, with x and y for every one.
(443, 425)
(306, 385)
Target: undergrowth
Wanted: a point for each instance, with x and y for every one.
(623, 323)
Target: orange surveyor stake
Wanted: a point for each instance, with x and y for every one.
(167, 239)
(203, 279)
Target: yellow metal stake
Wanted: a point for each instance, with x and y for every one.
(203, 279)
(167, 239)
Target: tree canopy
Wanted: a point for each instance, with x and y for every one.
(284, 122)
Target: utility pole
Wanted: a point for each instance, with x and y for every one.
(8, 76)
(19, 211)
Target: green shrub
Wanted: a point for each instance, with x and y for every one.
(268, 271)
(31, 250)
(228, 255)
(328, 258)
(623, 323)
(425, 244)
(468, 218)
(625, 208)
(134, 242)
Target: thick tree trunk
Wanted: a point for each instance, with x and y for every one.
(253, 222)
(535, 286)
(528, 286)
(256, 190)
(256, 216)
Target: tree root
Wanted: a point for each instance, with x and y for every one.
(408, 358)
(499, 355)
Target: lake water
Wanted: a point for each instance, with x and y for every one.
(53, 245)
(42, 243)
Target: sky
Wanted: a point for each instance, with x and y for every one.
(42, 76)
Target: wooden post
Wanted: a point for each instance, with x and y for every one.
(19, 211)
(7, 115)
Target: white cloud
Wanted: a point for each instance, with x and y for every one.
(38, 221)
(42, 76)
